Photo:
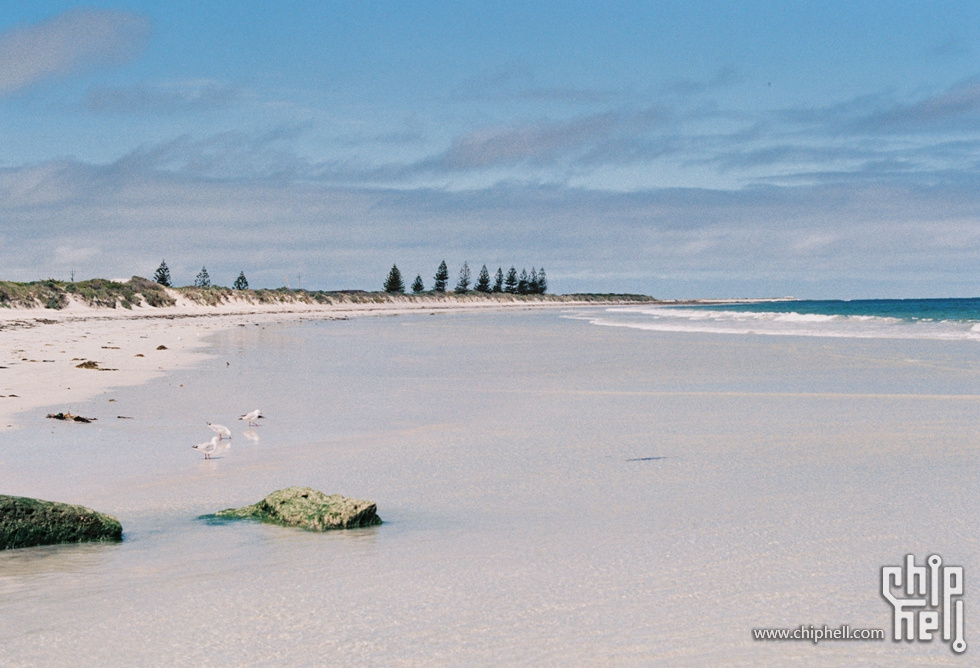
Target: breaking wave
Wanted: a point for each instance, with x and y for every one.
(756, 319)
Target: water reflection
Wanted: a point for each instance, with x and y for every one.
(73, 557)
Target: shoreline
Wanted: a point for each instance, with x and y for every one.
(42, 348)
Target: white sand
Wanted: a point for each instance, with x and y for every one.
(554, 493)
(40, 349)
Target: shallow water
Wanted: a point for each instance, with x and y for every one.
(553, 492)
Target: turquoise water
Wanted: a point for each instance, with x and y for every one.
(963, 310)
(931, 319)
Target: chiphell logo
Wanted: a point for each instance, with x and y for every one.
(927, 601)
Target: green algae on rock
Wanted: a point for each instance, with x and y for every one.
(308, 509)
(26, 522)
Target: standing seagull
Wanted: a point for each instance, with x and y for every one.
(220, 430)
(207, 448)
(252, 417)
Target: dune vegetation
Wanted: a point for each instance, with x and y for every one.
(140, 292)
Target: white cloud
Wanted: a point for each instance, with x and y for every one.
(842, 241)
(73, 41)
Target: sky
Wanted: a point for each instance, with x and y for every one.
(677, 149)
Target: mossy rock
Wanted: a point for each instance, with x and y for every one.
(308, 509)
(26, 522)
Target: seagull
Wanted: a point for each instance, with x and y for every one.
(220, 430)
(207, 448)
(252, 417)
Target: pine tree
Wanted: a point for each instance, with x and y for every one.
(510, 283)
(463, 284)
(532, 282)
(241, 283)
(441, 277)
(498, 285)
(394, 281)
(542, 282)
(202, 280)
(418, 286)
(483, 281)
(522, 283)
(162, 275)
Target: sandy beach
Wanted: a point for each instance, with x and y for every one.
(554, 492)
(40, 349)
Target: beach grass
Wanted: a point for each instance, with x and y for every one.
(139, 292)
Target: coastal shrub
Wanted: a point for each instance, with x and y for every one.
(209, 296)
(104, 293)
(152, 292)
(24, 295)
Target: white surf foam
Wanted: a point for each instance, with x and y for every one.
(766, 323)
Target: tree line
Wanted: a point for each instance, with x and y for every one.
(202, 280)
(534, 283)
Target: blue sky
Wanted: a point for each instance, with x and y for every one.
(679, 149)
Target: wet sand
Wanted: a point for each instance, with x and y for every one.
(554, 493)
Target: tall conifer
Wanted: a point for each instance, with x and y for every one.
(542, 282)
(394, 283)
(162, 275)
(441, 278)
(522, 283)
(483, 281)
(463, 284)
(510, 283)
(203, 279)
(498, 285)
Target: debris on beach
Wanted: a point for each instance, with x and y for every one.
(308, 509)
(92, 364)
(26, 522)
(162, 347)
(68, 417)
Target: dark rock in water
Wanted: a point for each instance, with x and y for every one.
(308, 509)
(26, 522)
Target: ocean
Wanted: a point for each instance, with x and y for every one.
(936, 319)
(554, 493)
